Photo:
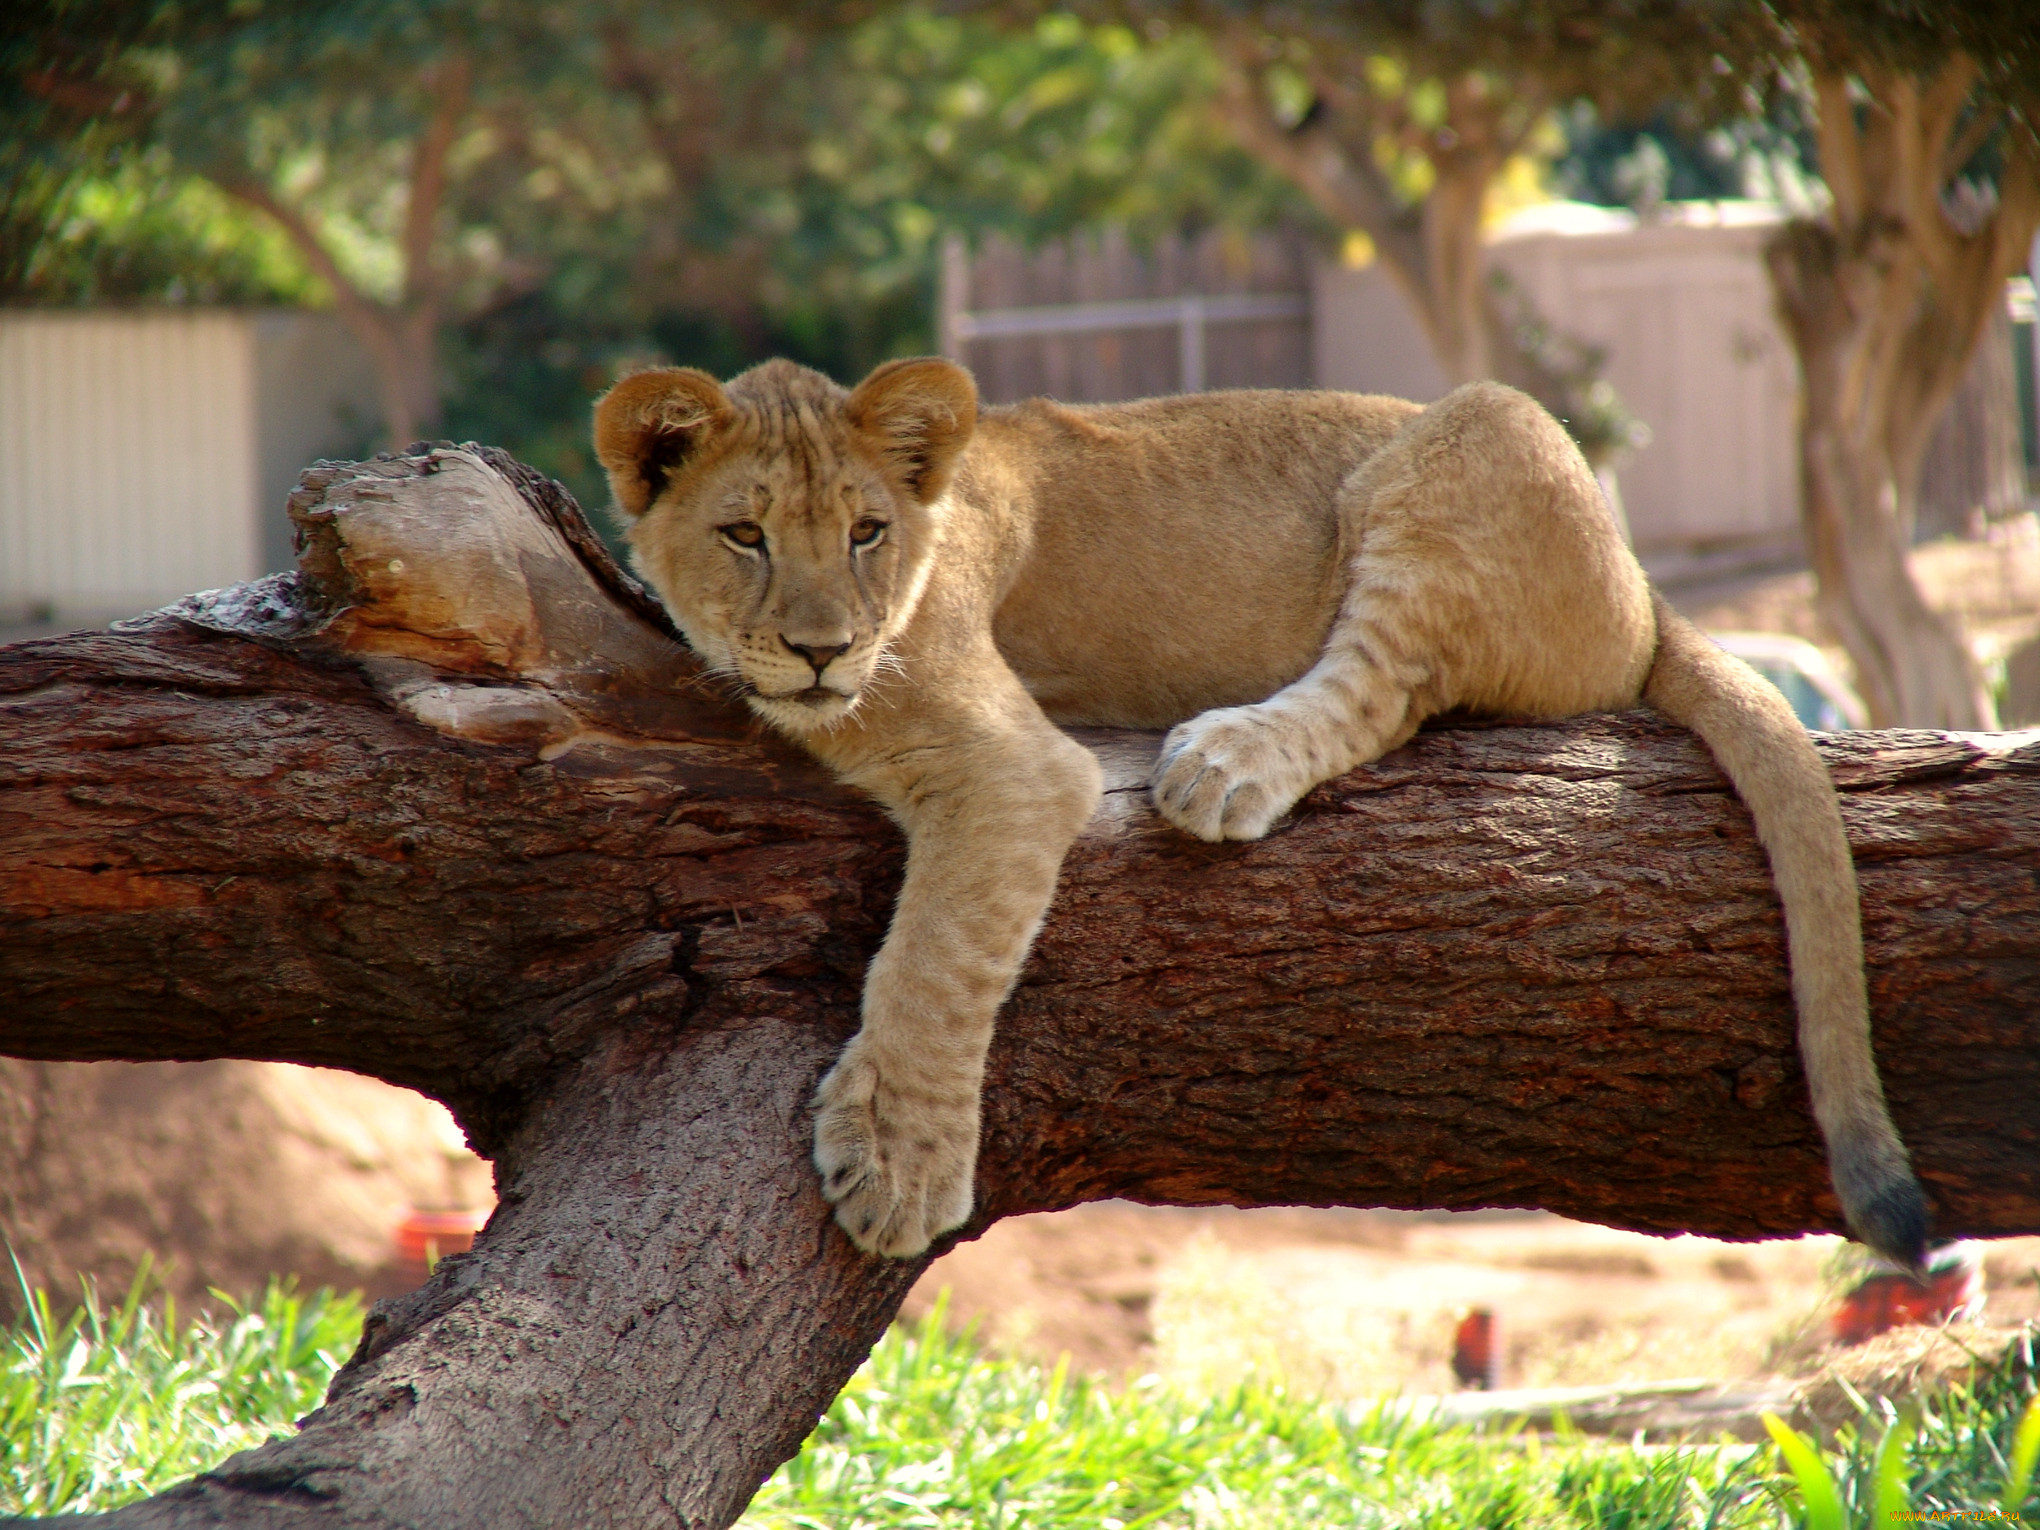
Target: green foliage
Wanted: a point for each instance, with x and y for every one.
(85, 215)
(1965, 1453)
(644, 180)
(931, 1434)
(957, 123)
(136, 231)
(1668, 155)
(1887, 1470)
(1817, 1485)
(110, 1404)
(629, 181)
(2025, 1450)
(1917, 34)
(873, 142)
(1623, 55)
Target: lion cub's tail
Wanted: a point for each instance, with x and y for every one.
(1757, 740)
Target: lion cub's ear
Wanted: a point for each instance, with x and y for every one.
(649, 424)
(919, 416)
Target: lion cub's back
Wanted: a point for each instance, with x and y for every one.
(1185, 552)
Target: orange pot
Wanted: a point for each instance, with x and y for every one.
(426, 1237)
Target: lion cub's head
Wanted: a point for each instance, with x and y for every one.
(786, 523)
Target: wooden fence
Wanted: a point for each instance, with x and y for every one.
(1089, 320)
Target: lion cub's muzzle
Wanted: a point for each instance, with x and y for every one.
(800, 682)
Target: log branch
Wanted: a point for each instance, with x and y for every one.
(452, 806)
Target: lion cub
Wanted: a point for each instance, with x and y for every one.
(920, 592)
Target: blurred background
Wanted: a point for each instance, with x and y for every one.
(1772, 267)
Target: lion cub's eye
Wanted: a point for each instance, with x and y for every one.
(867, 533)
(743, 533)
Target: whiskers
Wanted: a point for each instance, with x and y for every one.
(718, 680)
(722, 678)
(886, 670)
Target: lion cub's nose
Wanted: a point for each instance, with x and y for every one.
(818, 655)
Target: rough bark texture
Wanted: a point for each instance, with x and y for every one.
(451, 807)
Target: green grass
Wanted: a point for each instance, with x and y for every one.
(106, 1405)
(109, 1404)
(931, 1433)
(1968, 1453)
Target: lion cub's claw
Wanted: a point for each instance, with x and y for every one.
(897, 1167)
(1228, 774)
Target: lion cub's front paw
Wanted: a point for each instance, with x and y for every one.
(898, 1164)
(1230, 773)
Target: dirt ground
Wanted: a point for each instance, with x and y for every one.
(221, 1172)
(1358, 1303)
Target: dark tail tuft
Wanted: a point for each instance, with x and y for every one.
(1893, 1221)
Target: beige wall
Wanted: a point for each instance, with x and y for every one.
(144, 455)
(127, 457)
(1683, 312)
(1365, 337)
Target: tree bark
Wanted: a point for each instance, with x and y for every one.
(452, 807)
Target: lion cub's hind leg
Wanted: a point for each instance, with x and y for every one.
(1484, 571)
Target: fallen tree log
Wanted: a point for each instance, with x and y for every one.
(452, 806)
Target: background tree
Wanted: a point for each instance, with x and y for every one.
(812, 204)
(90, 209)
(422, 168)
(1925, 122)
(363, 132)
(1398, 120)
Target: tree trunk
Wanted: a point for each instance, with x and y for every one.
(450, 806)
(401, 337)
(1432, 250)
(1885, 301)
(1911, 663)
(403, 348)
(401, 340)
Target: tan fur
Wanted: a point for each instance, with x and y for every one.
(1290, 582)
